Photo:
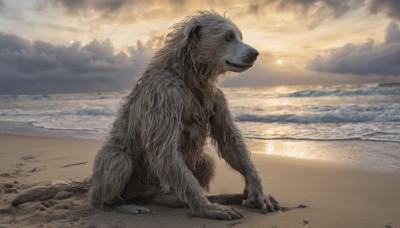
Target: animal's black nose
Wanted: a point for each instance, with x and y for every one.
(254, 52)
(251, 55)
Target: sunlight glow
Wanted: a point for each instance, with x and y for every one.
(279, 61)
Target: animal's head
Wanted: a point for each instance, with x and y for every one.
(213, 41)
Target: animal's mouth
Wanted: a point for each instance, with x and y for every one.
(241, 66)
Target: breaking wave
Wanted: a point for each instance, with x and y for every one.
(332, 114)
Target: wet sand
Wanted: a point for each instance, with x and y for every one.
(313, 193)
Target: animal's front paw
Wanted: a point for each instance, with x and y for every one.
(254, 197)
(216, 211)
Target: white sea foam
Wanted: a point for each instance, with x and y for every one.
(351, 92)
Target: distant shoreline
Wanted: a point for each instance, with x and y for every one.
(28, 129)
(368, 155)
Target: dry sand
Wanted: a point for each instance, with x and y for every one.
(328, 195)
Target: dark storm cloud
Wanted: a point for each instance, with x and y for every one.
(363, 59)
(390, 7)
(41, 67)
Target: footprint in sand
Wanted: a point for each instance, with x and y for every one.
(388, 225)
(5, 175)
(13, 173)
(35, 169)
(49, 203)
(11, 187)
(29, 158)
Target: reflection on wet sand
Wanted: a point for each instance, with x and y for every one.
(359, 154)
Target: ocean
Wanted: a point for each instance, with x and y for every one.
(365, 118)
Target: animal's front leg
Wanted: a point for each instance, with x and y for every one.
(164, 128)
(188, 189)
(204, 209)
(172, 171)
(253, 196)
(232, 148)
(267, 202)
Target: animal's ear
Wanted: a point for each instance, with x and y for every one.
(195, 32)
(192, 31)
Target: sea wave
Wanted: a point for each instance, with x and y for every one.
(332, 114)
(356, 138)
(349, 92)
(106, 110)
(109, 110)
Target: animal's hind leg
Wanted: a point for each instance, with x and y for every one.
(205, 170)
(112, 170)
(168, 200)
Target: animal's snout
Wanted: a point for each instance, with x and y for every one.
(251, 55)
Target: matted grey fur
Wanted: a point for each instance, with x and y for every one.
(155, 148)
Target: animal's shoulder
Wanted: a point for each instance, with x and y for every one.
(160, 82)
(158, 89)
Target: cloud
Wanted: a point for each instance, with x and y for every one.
(75, 7)
(337, 7)
(128, 10)
(9, 13)
(363, 59)
(268, 75)
(41, 67)
(312, 13)
(272, 15)
(121, 11)
(392, 33)
(390, 7)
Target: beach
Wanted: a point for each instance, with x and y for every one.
(312, 192)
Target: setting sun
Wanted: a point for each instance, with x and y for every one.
(279, 61)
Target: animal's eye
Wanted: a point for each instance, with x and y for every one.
(229, 37)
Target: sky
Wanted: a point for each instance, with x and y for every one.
(68, 46)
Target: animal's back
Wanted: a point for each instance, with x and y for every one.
(137, 113)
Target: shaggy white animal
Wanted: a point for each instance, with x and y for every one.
(155, 148)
